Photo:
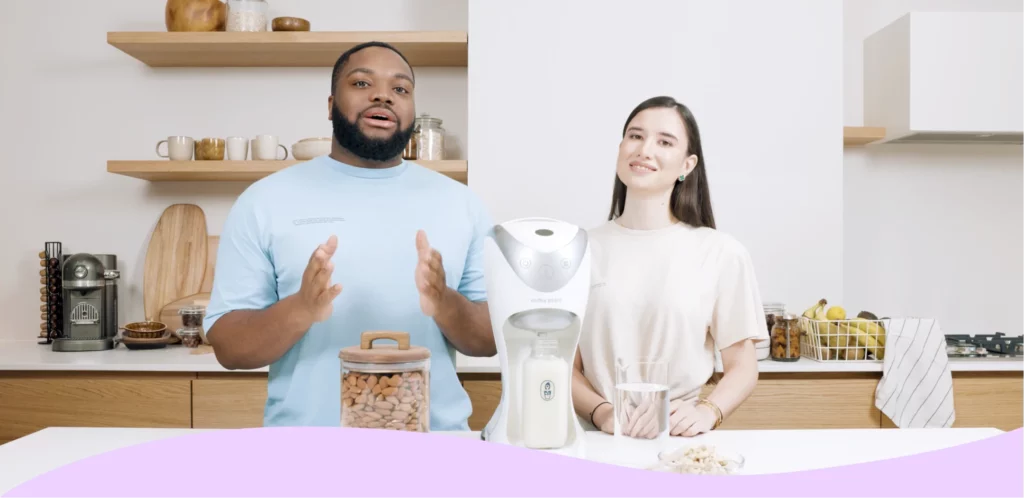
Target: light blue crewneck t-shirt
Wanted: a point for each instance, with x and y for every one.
(277, 223)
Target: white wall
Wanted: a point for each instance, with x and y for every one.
(944, 234)
(551, 85)
(70, 102)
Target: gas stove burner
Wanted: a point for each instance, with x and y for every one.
(997, 345)
(1001, 344)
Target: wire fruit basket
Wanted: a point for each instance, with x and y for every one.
(856, 339)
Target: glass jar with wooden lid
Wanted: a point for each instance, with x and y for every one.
(385, 386)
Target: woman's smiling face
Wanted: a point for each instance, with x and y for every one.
(654, 152)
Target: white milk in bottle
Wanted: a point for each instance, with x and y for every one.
(545, 395)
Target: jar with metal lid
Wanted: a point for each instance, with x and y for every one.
(785, 338)
(247, 15)
(385, 386)
(429, 138)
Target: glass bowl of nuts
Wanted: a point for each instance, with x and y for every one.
(699, 459)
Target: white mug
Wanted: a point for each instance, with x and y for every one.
(238, 148)
(264, 148)
(178, 148)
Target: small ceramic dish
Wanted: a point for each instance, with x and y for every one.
(144, 330)
(148, 343)
(699, 459)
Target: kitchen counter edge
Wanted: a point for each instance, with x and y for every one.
(31, 356)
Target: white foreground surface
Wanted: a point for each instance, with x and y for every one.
(765, 451)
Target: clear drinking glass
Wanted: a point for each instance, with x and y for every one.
(641, 398)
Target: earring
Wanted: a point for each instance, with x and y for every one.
(682, 177)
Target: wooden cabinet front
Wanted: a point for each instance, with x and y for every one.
(808, 401)
(31, 401)
(228, 400)
(985, 399)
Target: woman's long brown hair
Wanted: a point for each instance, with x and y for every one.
(691, 198)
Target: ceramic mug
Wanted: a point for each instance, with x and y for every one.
(264, 148)
(178, 148)
(238, 148)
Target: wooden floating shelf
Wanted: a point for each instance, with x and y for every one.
(240, 171)
(859, 136)
(284, 49)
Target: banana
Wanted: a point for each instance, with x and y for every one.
(811, 312)
(828, 332)
(852, 351)
(865, 340)
(875, 330)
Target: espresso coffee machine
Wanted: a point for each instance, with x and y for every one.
(90, 303)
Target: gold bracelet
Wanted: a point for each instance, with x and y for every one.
(714, 408)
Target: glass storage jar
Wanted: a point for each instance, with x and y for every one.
(385, 386)
(785, 338)
(192, 316)
(429, 138)
(191, 337)
(247, 15)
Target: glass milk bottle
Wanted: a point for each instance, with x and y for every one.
(545, 395)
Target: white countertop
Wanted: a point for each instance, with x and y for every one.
(765, 452)
(29, 355)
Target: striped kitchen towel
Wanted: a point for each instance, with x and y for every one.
(916, 390)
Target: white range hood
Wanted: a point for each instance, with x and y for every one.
(947, 77)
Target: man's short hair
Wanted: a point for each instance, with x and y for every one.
(348, 53)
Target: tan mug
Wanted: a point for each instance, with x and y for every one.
(209, 149)
(179, 148)
(264, 148)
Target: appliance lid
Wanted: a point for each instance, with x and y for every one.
(83, 271)
(544, 254)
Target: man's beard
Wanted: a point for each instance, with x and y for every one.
(355, 141)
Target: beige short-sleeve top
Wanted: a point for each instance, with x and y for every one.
(676, 293)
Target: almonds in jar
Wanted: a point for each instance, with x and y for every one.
(385, 386)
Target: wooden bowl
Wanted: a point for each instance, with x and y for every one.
(195, 15)
(289, 24)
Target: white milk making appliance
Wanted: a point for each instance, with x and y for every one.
(538, 282)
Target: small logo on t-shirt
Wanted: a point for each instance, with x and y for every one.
(317, 221)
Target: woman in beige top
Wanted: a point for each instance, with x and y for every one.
(667, 285)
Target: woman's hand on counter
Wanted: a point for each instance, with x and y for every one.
(642, 421)
(687, 419)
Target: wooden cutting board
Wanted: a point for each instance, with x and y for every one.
(212, 244)
(175, 259)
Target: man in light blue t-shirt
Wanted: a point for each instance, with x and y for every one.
(314, 255)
